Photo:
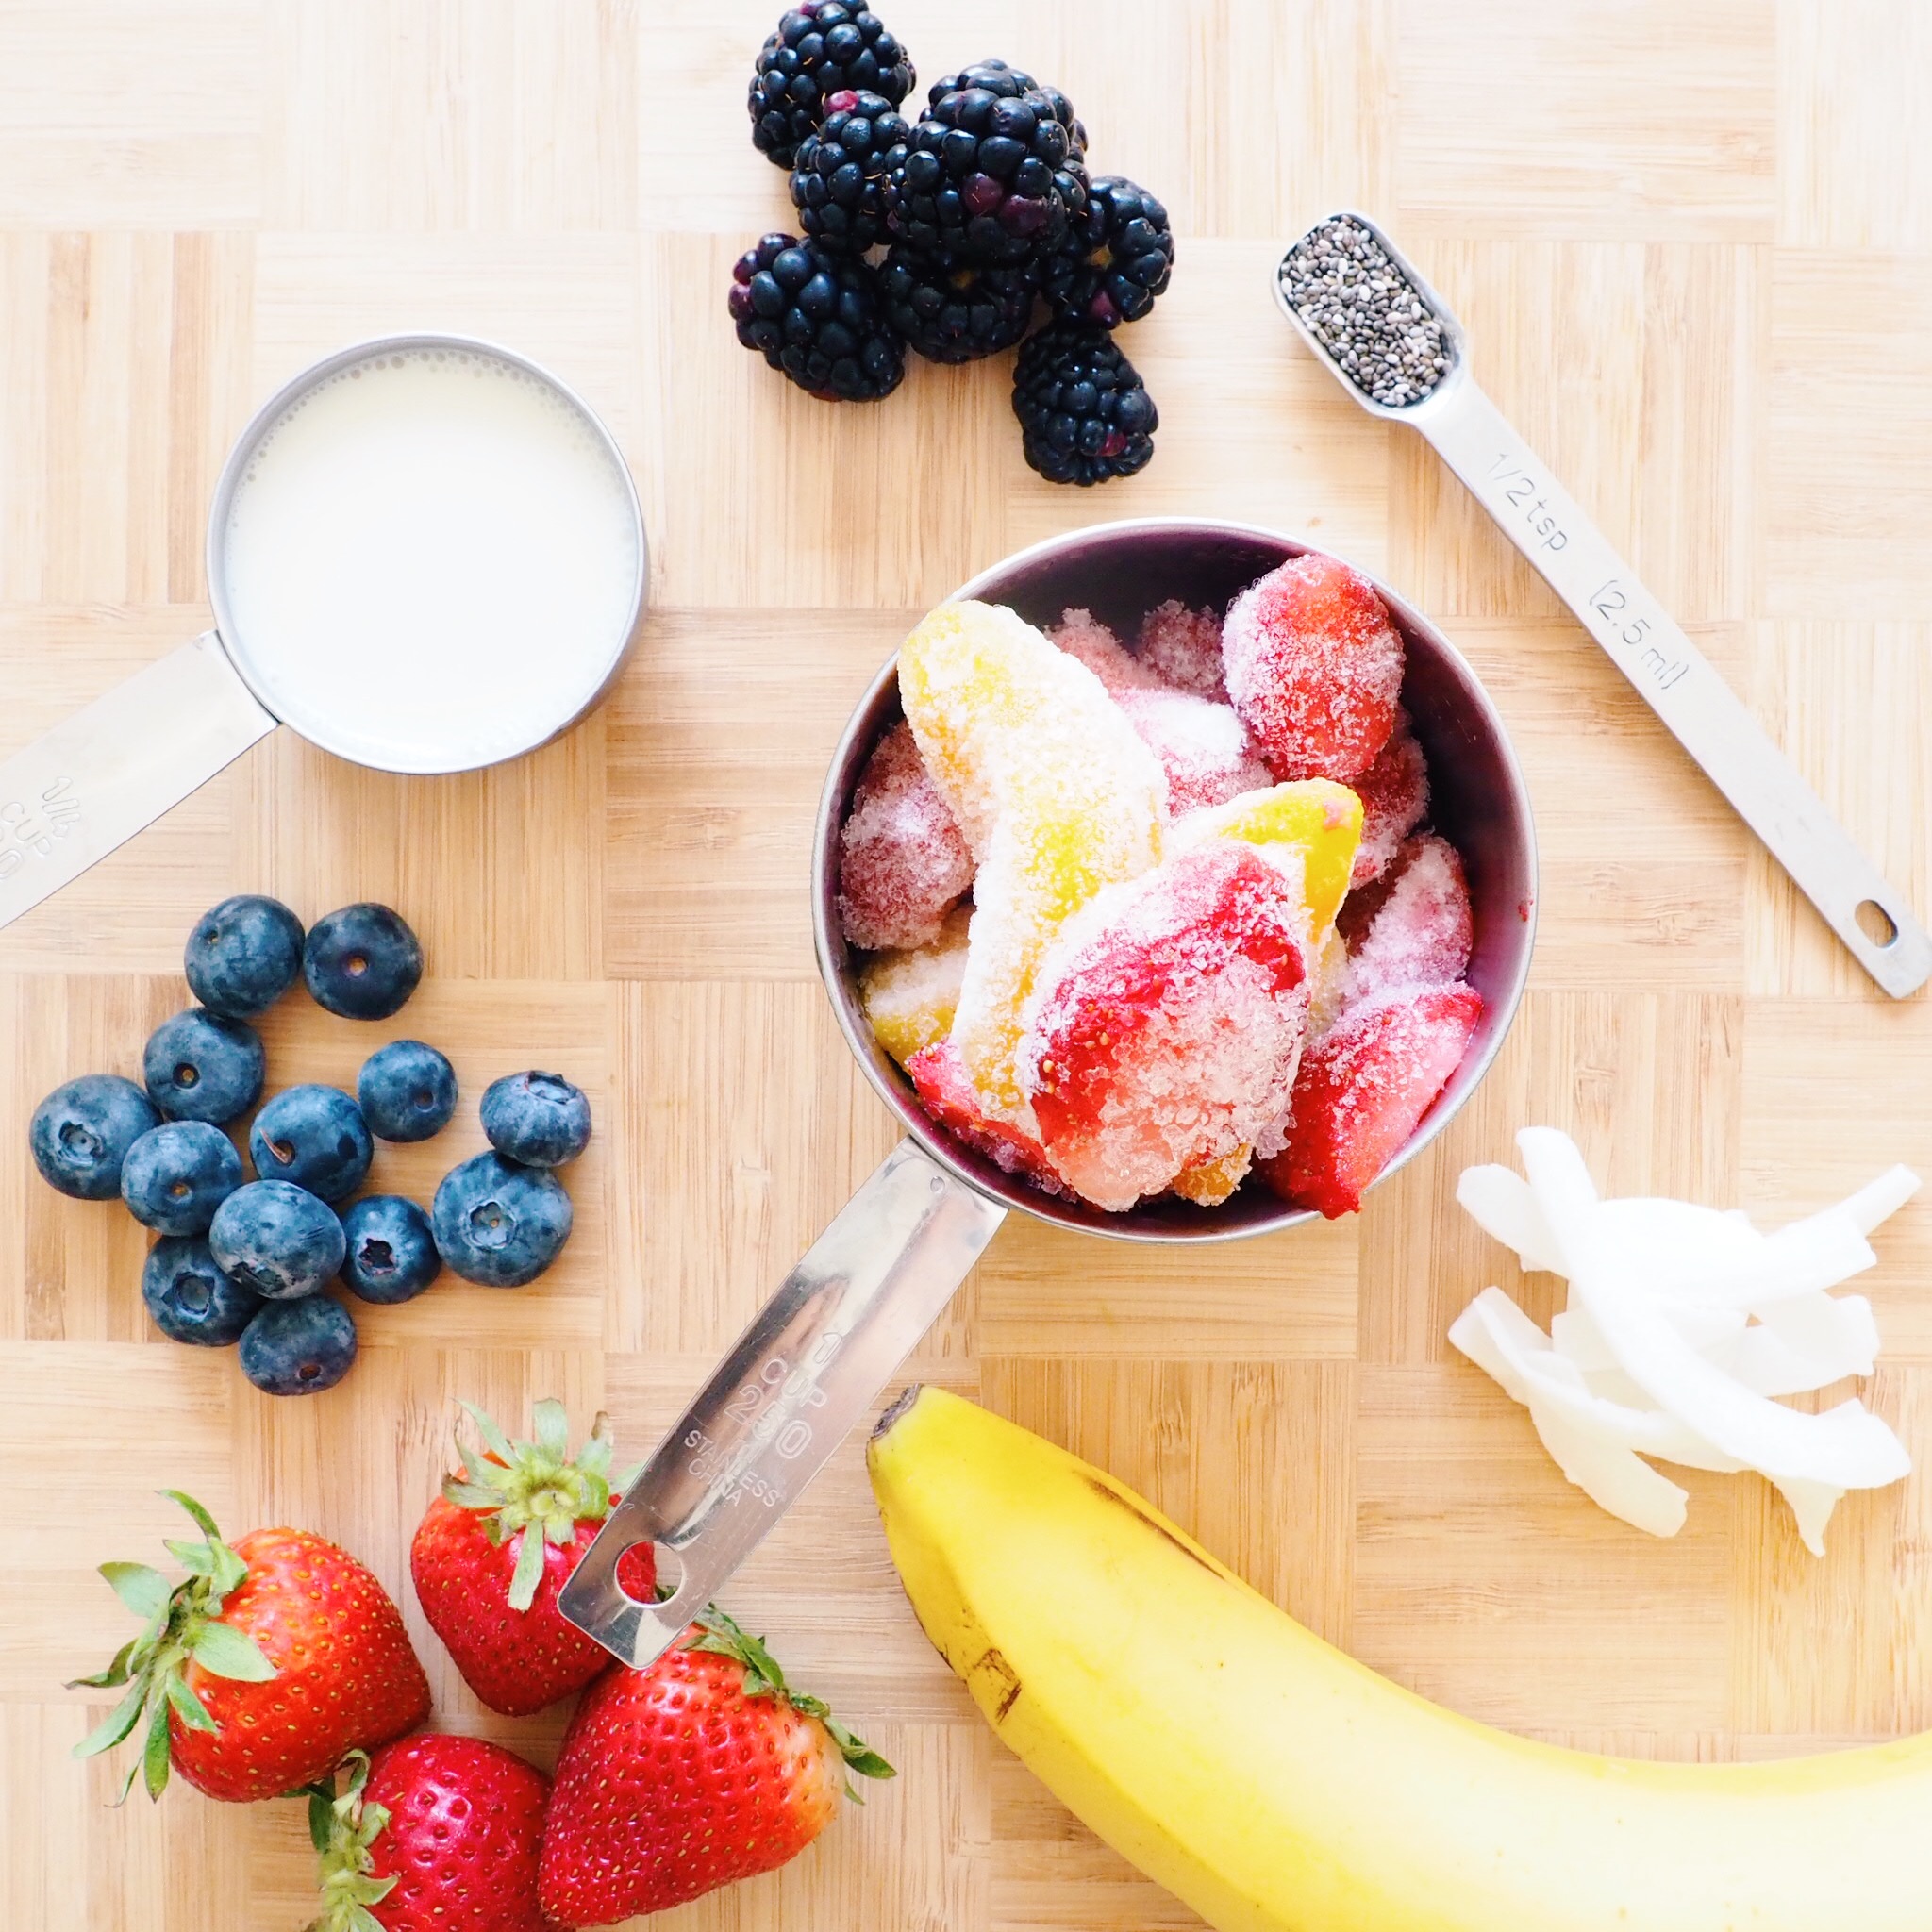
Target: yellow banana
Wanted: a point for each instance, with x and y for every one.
(1275, 1785)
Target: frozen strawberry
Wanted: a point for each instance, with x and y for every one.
(1421, 931)
(1184, 648)
(1314, 667)
(1082, 635)
(1169, 1023)
(903, 862)
(1363, 1090)
(1394, 793)
(939, 1077)
(1203, 747)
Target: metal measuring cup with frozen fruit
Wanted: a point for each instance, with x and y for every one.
(1397, 349)
(425, 555)
(816, 1359)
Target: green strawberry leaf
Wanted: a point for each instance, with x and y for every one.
(362, 1920)
(230, 1573)
(203, 1520)
(226, 1651)
(529, 1570)
(143, 1589)
(496, 1442)
(471, 1495)
(154, 1753)
(114, 1675)
(198, 1559)
(594, 1459)
(857, 1754)
(322, 1816)
(188, 1706)
(625, 1479)
(115, 1726)
(552, 1428)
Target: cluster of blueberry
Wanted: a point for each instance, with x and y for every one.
(242, 1262)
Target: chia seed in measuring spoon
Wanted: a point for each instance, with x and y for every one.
(1371, 320)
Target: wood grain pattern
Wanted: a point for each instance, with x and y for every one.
(1690, 246)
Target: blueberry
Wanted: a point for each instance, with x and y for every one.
(361, 962)
(191, 1299)
(243, 955)
(392, 1253)
(278, 1239)
(81, 1132)
(313, 1136)
(540, 1119)
(299, 1348)
(407, 1091)
(200, 1066)
(177, 1175)
(500, 1224)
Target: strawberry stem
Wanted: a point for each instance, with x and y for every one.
(343, 1828)
(520, 1486)
(182, 1622)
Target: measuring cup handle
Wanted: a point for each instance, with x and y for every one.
(115, 766)
(808, 1367)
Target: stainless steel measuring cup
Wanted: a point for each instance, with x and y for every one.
(115, 766)
(823, 1347)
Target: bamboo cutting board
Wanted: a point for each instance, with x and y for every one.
(1693, 249)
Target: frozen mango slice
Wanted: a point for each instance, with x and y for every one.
(910, 997)
(1213, 1181)
(1055, 792)
(1319, 817)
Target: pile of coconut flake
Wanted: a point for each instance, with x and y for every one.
(1682, 1324)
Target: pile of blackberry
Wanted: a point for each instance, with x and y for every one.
(949, 230)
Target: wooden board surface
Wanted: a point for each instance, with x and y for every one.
(1693, 249)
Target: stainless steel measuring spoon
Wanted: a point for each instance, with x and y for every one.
(1671, 675)
(820, 1352)
(95, 779)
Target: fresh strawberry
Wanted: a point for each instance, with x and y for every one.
(701, 1771)
(1314, 667)
(434, 1834)
(259, 1670)
(1362, 1089)
(938, 1076)
(493, 1550)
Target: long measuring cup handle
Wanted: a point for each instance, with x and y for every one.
(1679, 684)
(808, 1367)
(116, 765)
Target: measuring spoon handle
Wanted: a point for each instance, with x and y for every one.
(813, 1361)
(116, 765)
(1677, 682)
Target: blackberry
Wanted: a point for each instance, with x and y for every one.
(836, 181)
(1117, 257)
(816, 316)
(822, 47)
(1084, 413)
(993, 172)
(955, 312)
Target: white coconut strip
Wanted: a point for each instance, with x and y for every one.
(1807, 1257)
(1500, 1338)
(1812, 1506)
(1849, 1447)
(1712, 1332)
(1656, 1238)
(1500, 1203)
(1878, 1200)
(1565, 1194)
(1615, 1480)
(1807, 1344)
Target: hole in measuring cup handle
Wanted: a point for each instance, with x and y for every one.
(1876, 923)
